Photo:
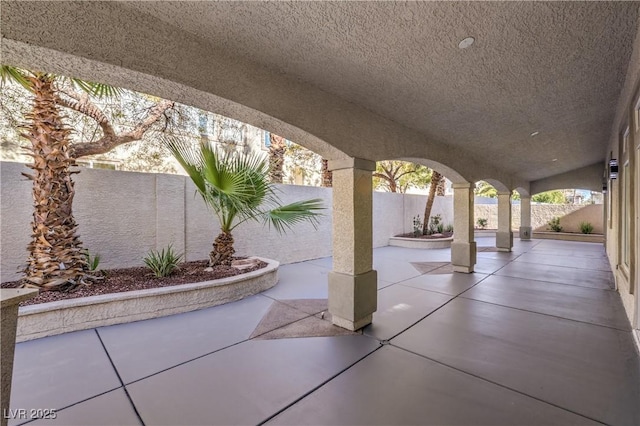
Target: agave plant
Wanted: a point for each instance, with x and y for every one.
(237, 188)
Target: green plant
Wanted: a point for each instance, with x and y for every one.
(237, 189)
(417, 226)
(586, 227)
(435, 225)
(162, 263)
(448, 228)
(92, 261)
(440, 228)
(554, 224)
(482, 222)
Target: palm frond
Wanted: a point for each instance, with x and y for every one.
(16, 75)
(284, 217)
(99, 90)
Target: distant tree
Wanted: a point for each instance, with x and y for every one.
(549, 197)
(485, 189)
(398, 176)
(299, 161)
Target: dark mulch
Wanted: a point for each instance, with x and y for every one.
(138, 278)
(427, 237)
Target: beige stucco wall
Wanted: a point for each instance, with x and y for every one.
(541, 214)
(122, 215)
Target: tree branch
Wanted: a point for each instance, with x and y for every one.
(112, 140)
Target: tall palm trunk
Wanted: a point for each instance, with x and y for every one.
(223, 251)
(435, 181)
(327, 175)
(277, 149)
(440, 190)
(55, 258)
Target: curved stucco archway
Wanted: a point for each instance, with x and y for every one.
(125, 47)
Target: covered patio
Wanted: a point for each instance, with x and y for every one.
(535, 336)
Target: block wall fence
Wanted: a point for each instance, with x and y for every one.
(123, 215)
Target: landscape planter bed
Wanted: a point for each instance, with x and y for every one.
(63, 316)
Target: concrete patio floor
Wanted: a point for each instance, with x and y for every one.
(534, 337)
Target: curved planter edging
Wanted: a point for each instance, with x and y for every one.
(63, 316)
(420, 243)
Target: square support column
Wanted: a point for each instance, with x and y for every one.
(353, 284)
(10, 299)
(525, 219)
(504, 236)
(463, 247)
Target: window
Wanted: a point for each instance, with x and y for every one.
(267, 139)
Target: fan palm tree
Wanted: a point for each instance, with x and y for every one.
(237, 188)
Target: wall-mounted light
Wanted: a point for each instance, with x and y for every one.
(613, 169)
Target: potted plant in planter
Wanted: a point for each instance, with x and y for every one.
(237, 189)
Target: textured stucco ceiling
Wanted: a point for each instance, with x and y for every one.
(552, 67)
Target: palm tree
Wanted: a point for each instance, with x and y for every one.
(435, 182)
(277, 148)
(56, 260)
(327, 175)
(237, 188)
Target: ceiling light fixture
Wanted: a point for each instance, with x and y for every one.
(467, 42)
(534, 134)
(555, 159)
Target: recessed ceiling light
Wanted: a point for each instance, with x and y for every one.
(555, 159)
(534, 134)
(466, 42)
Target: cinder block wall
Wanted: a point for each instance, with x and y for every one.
(570, 215)
(123, 215)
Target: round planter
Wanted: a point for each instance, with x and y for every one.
(49, 319)
(421, 243)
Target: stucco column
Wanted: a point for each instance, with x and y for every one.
(525, 218)
(353, 287)
(463, 248)
(9, 301)
(504, 236)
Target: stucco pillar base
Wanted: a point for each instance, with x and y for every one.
(504, 241)
(9, 301)
(463, 256)
(353, 299)
(525, 233)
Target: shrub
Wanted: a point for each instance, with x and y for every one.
(162, 263)
(449, 228)
(482, 222)
(417, 226)
(435, 225)
(92, 261)
(440, 228)
(586, 227)
(554, 224)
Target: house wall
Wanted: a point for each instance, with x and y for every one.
(622, 200)
(123, 215)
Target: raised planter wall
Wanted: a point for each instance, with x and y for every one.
(420, 243)
(49, 319)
